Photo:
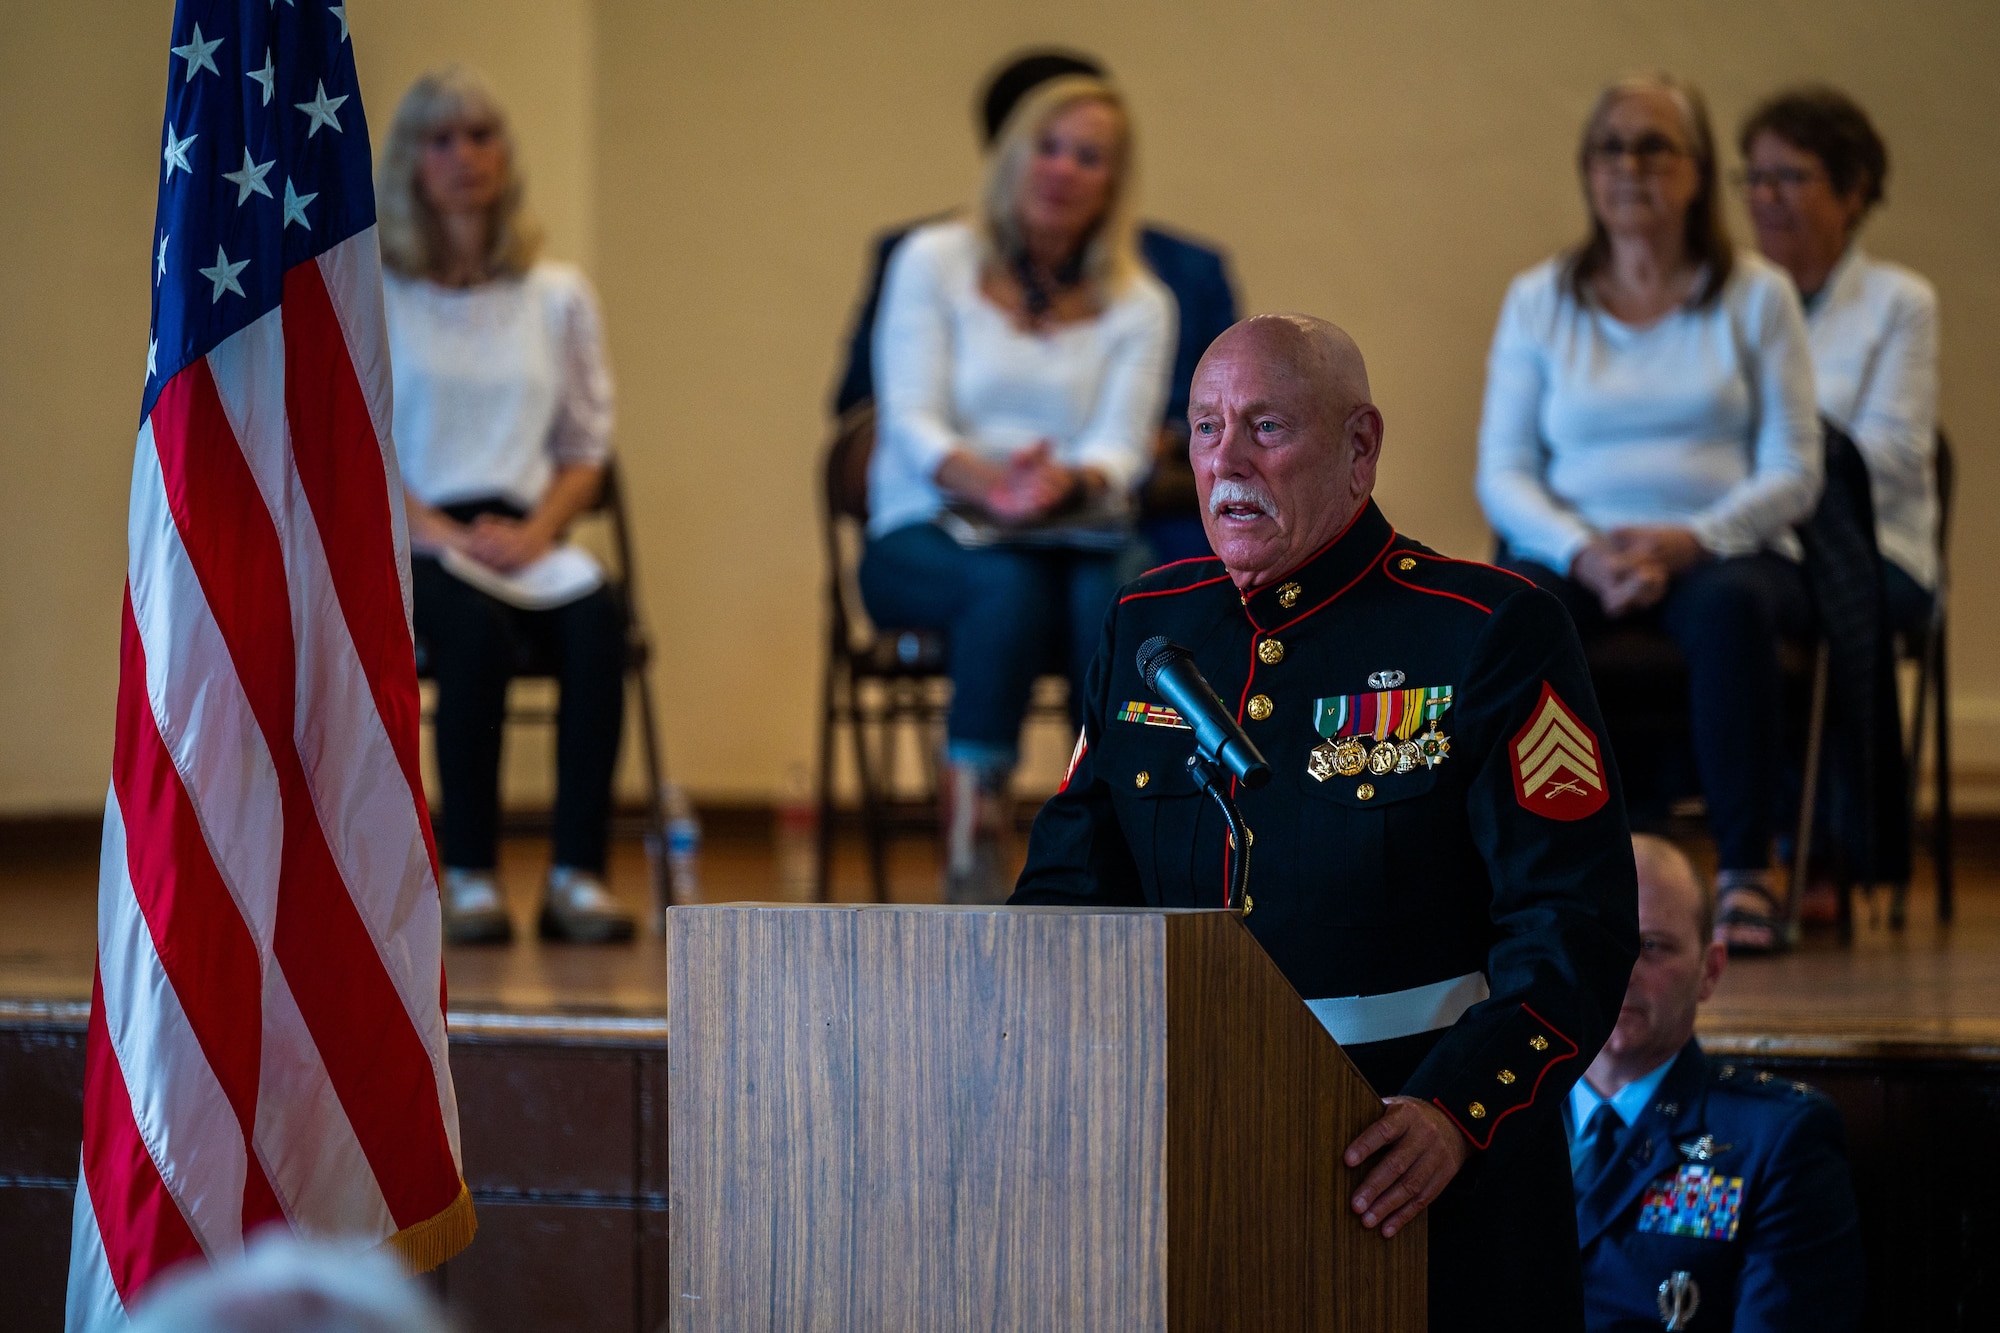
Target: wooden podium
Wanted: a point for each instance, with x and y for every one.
(924, 1118)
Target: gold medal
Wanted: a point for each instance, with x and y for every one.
(1320, 762)
(1409, 756)
(1349, 756)
(1382, 759)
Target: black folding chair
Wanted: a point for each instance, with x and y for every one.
(1933, 702)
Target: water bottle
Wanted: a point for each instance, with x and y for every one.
(683, 846)
(795, 837)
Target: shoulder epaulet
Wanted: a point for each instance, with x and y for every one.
(1177, 576)
(1762, 1082)
(1423, 570)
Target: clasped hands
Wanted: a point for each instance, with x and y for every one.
(494, 540)
(1424, 1151)
(1629, 568)
(1028, 486)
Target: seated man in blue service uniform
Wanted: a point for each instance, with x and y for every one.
(1708, 1195)
(1442, 869)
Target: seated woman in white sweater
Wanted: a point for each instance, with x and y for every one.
(1648, 441)
(503, 429)
(1022, 355)
(1815, 170)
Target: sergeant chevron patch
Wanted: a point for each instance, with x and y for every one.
(1558, 771)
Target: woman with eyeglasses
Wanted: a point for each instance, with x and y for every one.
(1816, 168)
(1647, 444)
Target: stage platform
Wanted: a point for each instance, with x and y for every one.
(560, 1060)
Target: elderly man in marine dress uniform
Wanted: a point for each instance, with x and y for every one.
(1442, 867)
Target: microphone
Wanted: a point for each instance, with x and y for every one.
(1170, 672)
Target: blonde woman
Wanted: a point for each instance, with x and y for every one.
(1022, 353)
(503, 429)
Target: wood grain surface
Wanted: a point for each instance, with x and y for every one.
(938, 1118)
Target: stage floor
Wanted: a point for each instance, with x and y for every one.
(1923, 991)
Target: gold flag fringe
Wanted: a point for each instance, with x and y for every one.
(435, 1239)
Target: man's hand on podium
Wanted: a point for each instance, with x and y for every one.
(1425, 1152)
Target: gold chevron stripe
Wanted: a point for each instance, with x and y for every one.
(1553, 744)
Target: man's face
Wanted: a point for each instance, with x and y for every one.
(1676, 971)
(1276, 465)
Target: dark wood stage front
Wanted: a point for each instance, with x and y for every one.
(560, 1060)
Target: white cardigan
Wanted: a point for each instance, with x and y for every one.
(1705, 419)
(953, 371)
(1874, 330)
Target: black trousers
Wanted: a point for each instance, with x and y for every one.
(1728, 617)
(474, 644)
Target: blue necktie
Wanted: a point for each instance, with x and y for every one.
(1600, 1144)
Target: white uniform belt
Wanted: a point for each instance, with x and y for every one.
(1357, 1019)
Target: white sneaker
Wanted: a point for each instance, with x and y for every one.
(473, 910)
(580, 910)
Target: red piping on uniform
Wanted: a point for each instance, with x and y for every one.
(1352, 520)
(1315, 610)
(1167, 592)
(1191, 560)
(1240, 702)
(1419, 555)
(1532, 1092)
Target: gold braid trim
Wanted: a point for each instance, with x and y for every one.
(430, 1242)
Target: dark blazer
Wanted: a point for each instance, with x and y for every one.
(1372, 880)
(1737, 1179)
(1194, 272)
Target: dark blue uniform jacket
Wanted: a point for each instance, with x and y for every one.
(1507, 855)
(1738, 1179)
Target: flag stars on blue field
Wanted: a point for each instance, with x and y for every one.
(223, 275)
(322, 109)
(199, 55)
(152, 357)
(177, 153)
(250, 180)
(295, 206)
(339, 12)
(160, 260)
(267, 77)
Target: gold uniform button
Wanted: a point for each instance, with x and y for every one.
(1365, 792)
(1141, 778)
(1539, 1043)
(1406, 564)
(1506, 1077)
(1287, 595)
(1270, 652)
(1477, 1110)
(1260, 707)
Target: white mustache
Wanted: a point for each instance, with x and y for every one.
(1241, 493)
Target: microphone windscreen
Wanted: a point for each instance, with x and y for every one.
(1155, 653)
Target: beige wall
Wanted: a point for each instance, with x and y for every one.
(719, 167)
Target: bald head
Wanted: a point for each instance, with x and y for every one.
(1316, 353)
(1284, 440)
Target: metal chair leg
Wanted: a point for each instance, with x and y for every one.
(874, 819)
(1941, 850)
(823, 866)
(1809, 792)
(656, 801)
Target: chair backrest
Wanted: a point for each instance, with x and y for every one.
(844, 503)
(1945, 466)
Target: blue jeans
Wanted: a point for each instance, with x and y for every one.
(1008, 616)
(1727, 617)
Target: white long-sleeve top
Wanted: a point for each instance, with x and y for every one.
(496, 385)
(954, 372)
(1874, 329)
(1704, 419)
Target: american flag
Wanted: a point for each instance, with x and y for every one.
(267, 1037)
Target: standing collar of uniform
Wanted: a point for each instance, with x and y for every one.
(1630, 1101)
(1324, 575)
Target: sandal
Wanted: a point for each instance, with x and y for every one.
(1763, 919)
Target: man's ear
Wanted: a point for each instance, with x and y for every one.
(1364, 444)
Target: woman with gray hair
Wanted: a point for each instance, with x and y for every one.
(503, 429)
(1022, 353)
(1648, 441)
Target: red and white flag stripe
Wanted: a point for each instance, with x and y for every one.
(267, 1040)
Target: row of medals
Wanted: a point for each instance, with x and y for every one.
(1348, 757)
